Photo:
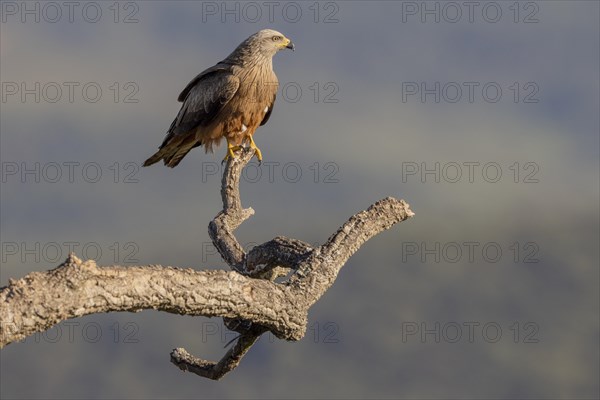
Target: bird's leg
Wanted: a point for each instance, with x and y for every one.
(230, 151)
(257, 153)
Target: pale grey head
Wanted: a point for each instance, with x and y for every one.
(270, 42)
(264, 44)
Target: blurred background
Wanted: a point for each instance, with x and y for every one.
(484, 117)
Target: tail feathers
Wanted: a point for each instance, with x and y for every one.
(176, 158)
(156, 157)
(173, 152)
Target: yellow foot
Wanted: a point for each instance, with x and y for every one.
(230, 152)
(257, 151)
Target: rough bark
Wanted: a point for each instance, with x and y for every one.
(247, 297)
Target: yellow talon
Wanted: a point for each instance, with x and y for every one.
(257, 151)
(230, 152)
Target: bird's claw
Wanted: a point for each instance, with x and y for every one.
(257, 151)
(230, 153)
(232, 149)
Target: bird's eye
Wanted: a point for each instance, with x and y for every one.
(276, 38)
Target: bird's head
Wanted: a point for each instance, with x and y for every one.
(270, 42)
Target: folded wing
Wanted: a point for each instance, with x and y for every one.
(203, 99)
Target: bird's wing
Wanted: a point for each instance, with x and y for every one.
(220, 67)
(204, 98)
(269, 111)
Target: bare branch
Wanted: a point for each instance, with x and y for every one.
(207, 369)
(222, 226)
(76, 288)
(279, 252)
(318, 272)
(247, 298)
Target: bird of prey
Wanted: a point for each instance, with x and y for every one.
(228, 100)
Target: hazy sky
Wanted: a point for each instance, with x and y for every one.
(484, 117)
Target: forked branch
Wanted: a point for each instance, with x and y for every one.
(248, 298)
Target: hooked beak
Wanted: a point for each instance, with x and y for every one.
(290, 46)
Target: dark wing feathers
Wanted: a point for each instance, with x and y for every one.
(203, 98)
(214, 68)
(269, 111)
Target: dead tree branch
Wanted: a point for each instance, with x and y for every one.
(247, 297)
